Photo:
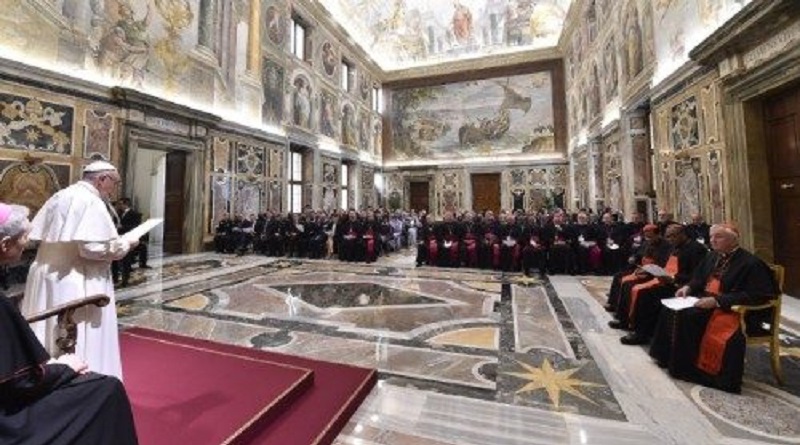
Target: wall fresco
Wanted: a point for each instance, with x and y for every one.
(29, 185)
(273, 82)
(99, 127)
(509, 115)
(684, 24)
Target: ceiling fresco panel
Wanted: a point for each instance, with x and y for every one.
(401, 34)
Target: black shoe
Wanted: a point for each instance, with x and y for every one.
(616, 324)
(609, 308)
(633, 339)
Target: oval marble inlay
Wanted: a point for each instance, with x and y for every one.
(754, 410)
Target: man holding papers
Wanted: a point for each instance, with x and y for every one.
(654, 250)
(703, 343)
(643, 303)
(78, 243)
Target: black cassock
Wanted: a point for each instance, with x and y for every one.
(680, 335)
(50, 403)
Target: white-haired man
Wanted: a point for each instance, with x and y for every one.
(704, 343)
(78, 243)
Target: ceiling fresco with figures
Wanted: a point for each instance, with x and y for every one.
(402, 34)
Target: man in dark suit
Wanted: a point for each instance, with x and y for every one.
(129, 219)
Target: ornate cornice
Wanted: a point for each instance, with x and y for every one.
(684, 76)
(28, 75)
(149, 104)
(754, 23)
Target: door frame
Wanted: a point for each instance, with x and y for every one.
(428, 183)
(137, 137)
(408, 179)
(479, 171)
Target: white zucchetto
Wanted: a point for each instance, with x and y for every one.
(99, 166)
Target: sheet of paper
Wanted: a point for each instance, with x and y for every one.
(142, 229)
(655, 270)
(679, 303)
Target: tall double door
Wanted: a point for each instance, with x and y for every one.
(782, 128)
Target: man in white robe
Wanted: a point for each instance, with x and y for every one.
(78, 243)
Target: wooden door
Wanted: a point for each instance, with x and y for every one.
(486, 192)
(419, 195)
(783, 147)
(174, 202)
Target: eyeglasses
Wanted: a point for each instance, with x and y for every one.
(114, 180)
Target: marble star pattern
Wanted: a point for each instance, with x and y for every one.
(552, 381)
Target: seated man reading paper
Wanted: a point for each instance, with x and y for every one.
(703, 343)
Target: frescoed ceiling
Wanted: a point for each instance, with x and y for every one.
(400, 34)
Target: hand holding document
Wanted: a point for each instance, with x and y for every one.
(679, 303)
(142, 230)
(655, 270)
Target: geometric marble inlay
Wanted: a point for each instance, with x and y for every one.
(353, 295)
(483, 338)
(527, 352)
(484, 335)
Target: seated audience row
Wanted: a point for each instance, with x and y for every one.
(702, 343)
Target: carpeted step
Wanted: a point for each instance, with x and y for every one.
(315, 417)
(192, 394)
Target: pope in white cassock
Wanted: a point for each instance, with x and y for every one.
(78, 243)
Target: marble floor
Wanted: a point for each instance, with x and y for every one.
(465, 356)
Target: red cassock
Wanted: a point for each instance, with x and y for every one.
(433, 250)
(671, 268)
(369, 243)
(719, 330)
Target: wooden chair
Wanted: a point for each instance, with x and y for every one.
(67, 329)
(761, 336)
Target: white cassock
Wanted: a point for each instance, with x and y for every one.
(78, 243)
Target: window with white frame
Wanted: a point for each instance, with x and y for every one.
(344, 182)
(299, 35)
(377, 99)
(348, 73)
(295, 195)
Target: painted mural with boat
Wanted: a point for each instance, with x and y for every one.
(488, 117)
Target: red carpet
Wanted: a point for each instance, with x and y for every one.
(313, 416)
(184, 394)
